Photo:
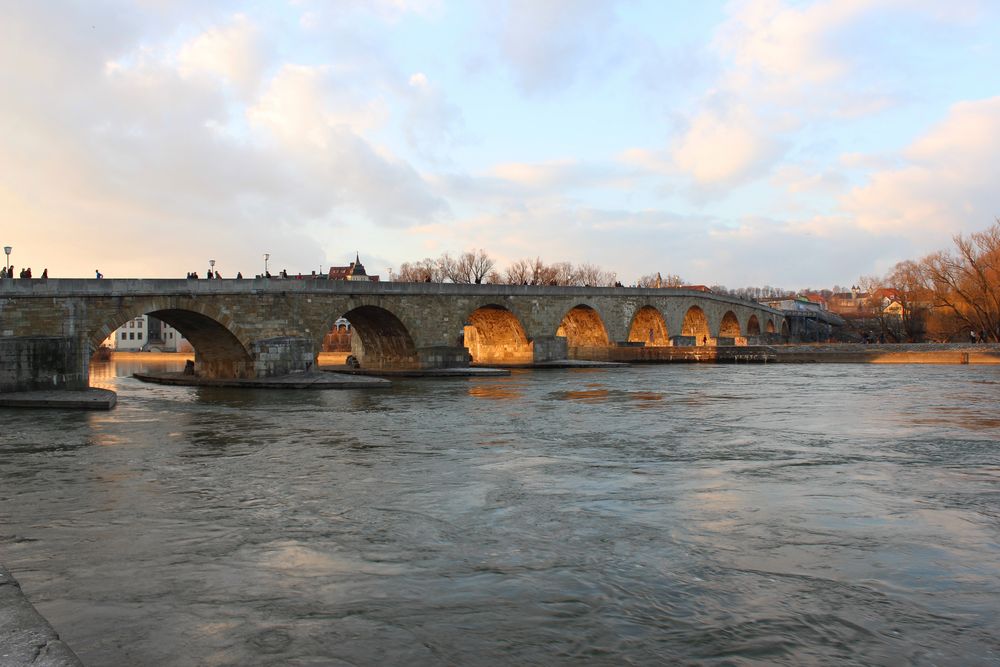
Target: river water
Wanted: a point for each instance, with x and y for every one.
(702, 514)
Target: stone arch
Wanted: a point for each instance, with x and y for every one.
(784, 328)
(649, 328)
(730, 325)
(380, 339)
(753, 326)
(220, 349)
(695, 324)
(494, 335)
(583, 327)
(770, 326)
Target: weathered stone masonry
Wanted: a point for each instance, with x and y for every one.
(267, 327)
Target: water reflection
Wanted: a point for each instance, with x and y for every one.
(495, 392)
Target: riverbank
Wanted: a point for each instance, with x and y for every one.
(26, 638)
(911, 353)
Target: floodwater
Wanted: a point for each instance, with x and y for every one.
(699, 514)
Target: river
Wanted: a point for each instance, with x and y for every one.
(702, 514)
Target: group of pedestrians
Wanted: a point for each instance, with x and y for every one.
(980, 339)
(212, 275)
(24, 274)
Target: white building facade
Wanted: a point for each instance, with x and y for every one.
(146, 334)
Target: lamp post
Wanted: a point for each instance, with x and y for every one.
(211, 268)
(7, 250)
(267, 256)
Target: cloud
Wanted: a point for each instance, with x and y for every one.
(431, 123)
(783, 67)
(721, 149)
(305, 106)
(130, 136)
(233, 52)
(946, 182)
(547, 44)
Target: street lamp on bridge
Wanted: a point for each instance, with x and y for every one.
(267, 256)
(7, 250)
(211, 268)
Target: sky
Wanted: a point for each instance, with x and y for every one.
(749, 143)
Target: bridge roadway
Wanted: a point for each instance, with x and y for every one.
(266, 327)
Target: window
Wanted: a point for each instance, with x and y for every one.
(123, 335)
(140, 335)
(131, 335)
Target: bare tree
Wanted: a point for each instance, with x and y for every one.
(967, 282)
(876, 312)
(658, 280)
(518, 273)
(650, 280)
(425, 270)
(542, 274)
(907, 281)
(449, 269)
(593, 276)
(474, 265)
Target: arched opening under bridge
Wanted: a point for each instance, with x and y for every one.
(770, 326)
(583, 327)
(784, 328)
(649, 328)
(163, 340)
(753, 326)
(493, 335)
(696, 325)
(379, 339)
(730, 326)
(336, 344)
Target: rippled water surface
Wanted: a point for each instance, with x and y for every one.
(704, 514)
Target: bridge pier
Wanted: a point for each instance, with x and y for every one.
(443, 356)
(549, 348)
(281, 356)
(32, 363)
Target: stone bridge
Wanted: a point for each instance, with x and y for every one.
(267, 327)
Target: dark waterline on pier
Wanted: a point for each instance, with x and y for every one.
(645, 515)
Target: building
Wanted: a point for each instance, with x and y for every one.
(144, 334)
(797, 304)
(354, 271)
(851, 304)
(338, 339)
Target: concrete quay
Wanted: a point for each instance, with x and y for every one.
(674, 354)
(63, 399)
(909, 353)
(373, 373)
(26, 638)
(306, 380)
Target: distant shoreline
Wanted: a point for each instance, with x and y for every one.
(888, 353)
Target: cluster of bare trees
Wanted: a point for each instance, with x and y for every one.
(473, 266)
(946, 294)
(476, 266)
(657, 280)
(537, 272)
(754, 293)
